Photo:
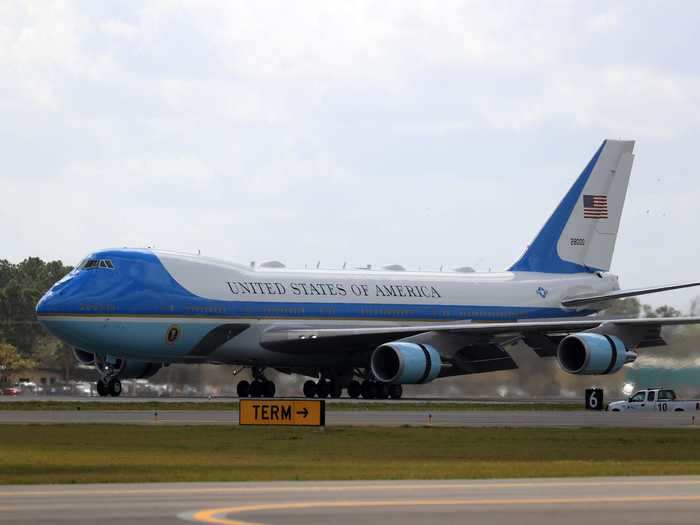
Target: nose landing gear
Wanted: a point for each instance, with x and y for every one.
(109, 387)
(108, 369)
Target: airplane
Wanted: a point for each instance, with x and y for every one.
(366, 332)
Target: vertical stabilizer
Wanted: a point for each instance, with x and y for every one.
(580, 235)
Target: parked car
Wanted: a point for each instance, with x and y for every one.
(11, 391)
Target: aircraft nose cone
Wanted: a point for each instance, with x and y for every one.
(44, 304)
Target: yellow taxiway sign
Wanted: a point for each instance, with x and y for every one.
(311, 412)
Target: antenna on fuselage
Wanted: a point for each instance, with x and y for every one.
(318, 264)
(252, 264)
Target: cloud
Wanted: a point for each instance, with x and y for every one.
(329, 130)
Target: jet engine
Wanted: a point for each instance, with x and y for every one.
(405, 363)
(593, 354)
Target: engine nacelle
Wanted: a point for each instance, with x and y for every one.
(83, 357)
(593, 354)
(405, 363)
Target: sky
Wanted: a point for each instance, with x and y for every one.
(428, 134)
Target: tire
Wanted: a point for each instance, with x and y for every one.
(114, 387)
(354, 389)
(336, 390)
(615, 410)
(395, 391)
(256, 389)
(268, 389)
(243, 388)
(323, 388)
(369, 390)
(382, 391)
(309, 389)
(101, 388)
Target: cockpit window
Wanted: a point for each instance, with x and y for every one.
(91, 264)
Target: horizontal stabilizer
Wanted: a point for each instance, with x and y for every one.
(581, 300)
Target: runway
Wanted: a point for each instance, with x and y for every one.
(642, 501)
(460, 418)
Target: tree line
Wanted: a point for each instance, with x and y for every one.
(24, 343)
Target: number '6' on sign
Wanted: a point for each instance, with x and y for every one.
(594, 399)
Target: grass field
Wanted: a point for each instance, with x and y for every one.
(120, 453)
(233, 405)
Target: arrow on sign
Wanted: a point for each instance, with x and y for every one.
(304, 412)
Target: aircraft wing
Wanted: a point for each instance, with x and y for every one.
(580, 300)
(312, 340)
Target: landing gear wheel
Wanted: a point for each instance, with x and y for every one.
(309, 389)
(395, 391)
(268, 389)
(256, 389)
(114, 387)
(335, 389)
(102, 389)
(369, 389)
(243, 388)
(382, 391)
(354, 389)
(323, 388)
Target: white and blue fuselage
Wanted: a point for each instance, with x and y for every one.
(160, 306)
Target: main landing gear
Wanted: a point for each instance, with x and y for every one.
(323, 388)
(367, 389)
(109, 387)
(260, 386)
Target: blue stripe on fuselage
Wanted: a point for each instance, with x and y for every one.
(140, 285)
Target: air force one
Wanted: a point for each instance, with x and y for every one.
(130, 312)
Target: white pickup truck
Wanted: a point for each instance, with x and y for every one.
(656, 399)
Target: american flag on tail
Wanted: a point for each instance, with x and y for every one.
(595, 206)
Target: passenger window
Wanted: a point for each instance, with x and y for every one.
(651, 396)
(637, 398)
(666, 395)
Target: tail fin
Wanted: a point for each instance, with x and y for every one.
(580, 235)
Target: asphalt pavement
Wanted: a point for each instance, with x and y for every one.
(459, 418)
(569, 501)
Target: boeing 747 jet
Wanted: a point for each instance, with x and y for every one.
(130, 312)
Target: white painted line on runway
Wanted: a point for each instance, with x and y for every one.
(478, 485)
